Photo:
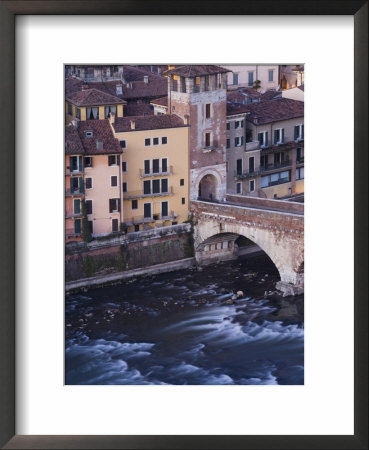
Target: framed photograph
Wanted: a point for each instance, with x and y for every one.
(158, 151)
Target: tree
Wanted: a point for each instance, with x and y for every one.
(257, 85)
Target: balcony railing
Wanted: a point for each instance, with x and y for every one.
(141, 194)
(69, 215)
(69, 232)
(68, 171)
(275, 166)
(245, 175)
(161, 172)
(300, 160)
(75, 192)
(253, 145)
(154, 217)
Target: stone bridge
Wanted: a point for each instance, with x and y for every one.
(277, 230)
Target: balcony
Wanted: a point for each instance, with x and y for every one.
(68, 171)
(70, 232)
(69, 215)
(270, 167)
(74, 192)
(136, 220)
(161, 172)
(209, 149)
(300, 161)
(246, 175)
(253, 145)
(139, 194)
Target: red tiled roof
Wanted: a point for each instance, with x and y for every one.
(269, 111)
(162, 101)
(72, 85)
(101, 130)
(93, 97)
(147, 123)
(73, 144)
(192, 71)
(140, 109)
(270, 95)
(242, 95)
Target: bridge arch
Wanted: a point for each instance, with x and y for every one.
(209, 185)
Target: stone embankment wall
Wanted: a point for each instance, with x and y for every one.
(128, 251)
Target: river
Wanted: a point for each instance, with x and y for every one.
(184, 328)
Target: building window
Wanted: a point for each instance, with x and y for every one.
(147, 187)
(90, 226)
(155, 141)
(88, 206)
(279, 136)
(242, 122)
(263, 139)
(164, 209)
(92, 113)
(123, 143)
(124, 186)
(156, 186)
(147, 166)
(164, 140)
(88, 183)
(237, 124)
(77, 206)
(238, 188)
(237, 142)
(113, 160)
(137, 228)
(76, 184)
(114, 205)
(110, 109)
(299, 132)
(235, 78)
(147, 210)
(114, 225)
(299, 155)
(207, 139)
(70, 109)
(252, 185)
(251, 78)
(300, 173)
(78, 113)
(270, 75)
(114, 181)
(88, 161)
(228, 143)
(147, 142)
(275, 178)
(252, 164)
(164, 165)
(164, 185)
(75, 163)
(134, 204)
(228, 126)
(181, 182)
(183, 201)
(124, 166)
(239, 166)
(155, 166)
(77, 226)
(208, 110)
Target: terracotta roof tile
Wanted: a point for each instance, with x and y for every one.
(192, 71)
(162, 101)
(73, 144)
(147, 123)
(93, 97)
(270, 95)
(101, 130)
(140, 109)
(269, 111)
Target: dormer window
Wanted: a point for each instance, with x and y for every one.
(110, 109)
(89, 134)
(99, 144)
(92, 113)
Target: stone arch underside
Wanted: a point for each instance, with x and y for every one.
(286, 252)
(213, 183)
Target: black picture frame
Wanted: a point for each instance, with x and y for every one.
(8, 11)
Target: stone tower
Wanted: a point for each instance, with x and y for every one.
(198, 94)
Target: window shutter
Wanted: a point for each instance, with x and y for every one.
(164, 185)
(111, 205)
(118, 200)
(282, 140)
(164, 165)
(266, 139)
(296, 132)
(241, 140)
(302, 131)
(260, 138)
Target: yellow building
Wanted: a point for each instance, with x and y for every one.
(92, 104)
(155, 170)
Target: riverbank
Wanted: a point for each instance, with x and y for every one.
(102, 280)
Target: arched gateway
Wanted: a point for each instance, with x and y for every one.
(279, 235)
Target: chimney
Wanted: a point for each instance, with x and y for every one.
(146, 79)
(185, 119)
(133, 125)
(112, 118)
(99, 144)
